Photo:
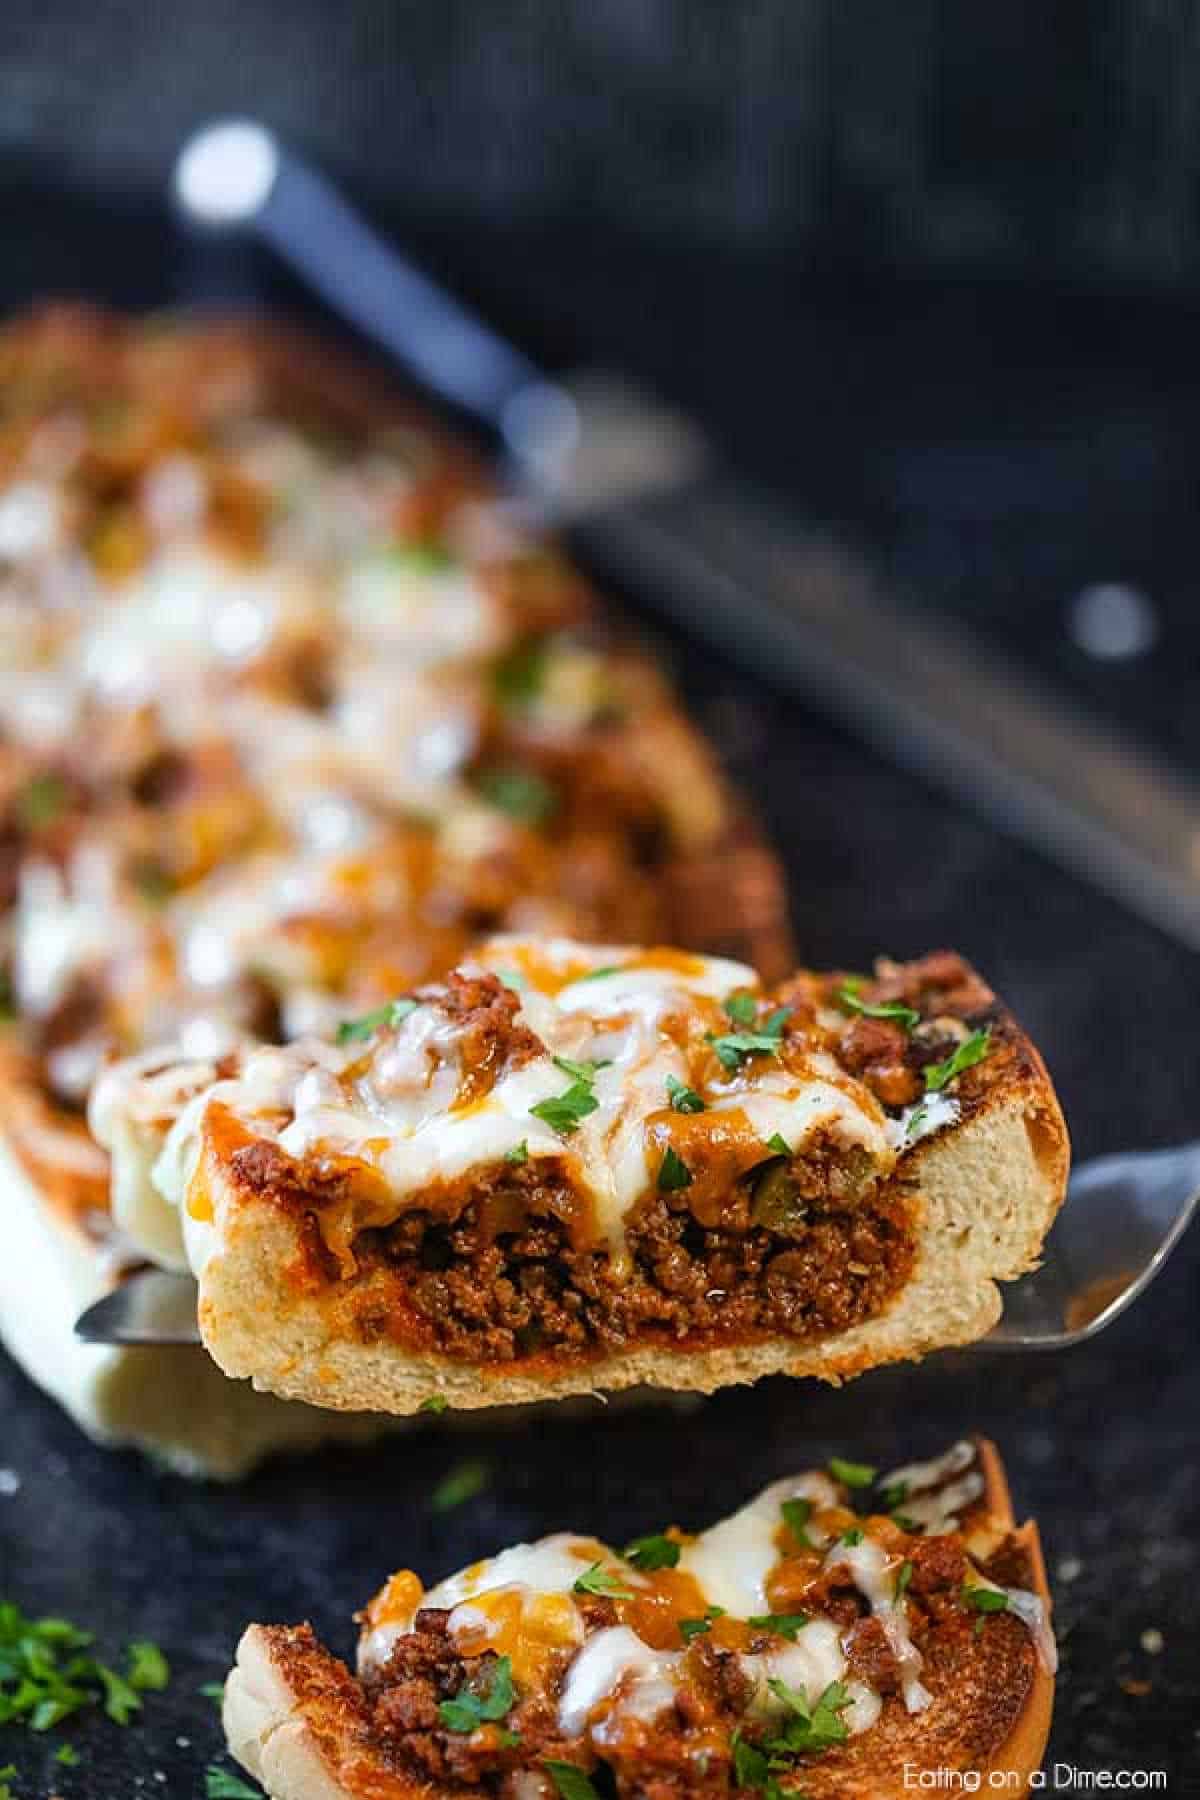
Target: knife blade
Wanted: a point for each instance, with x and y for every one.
(641, 492)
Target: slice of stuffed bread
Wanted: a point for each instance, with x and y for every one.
(570, 1168)
(836, 1638)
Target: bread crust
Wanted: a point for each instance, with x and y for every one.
(984, 1191)
(294, 1718)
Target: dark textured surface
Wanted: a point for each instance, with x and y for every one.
(1102, 1443)
(1024, 136)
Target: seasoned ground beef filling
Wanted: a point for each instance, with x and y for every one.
(469, 1289)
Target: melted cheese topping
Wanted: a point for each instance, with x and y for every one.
(613, 1028)
(732, 1560)
(268, 663)
(525, 1604)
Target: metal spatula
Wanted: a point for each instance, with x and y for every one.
(1124, 1216)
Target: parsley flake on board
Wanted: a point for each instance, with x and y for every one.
(653, 1552)
(356, 1031)
(972, 1050)
(570, 1781)
(796, 1514)
(604, 1582)
(463, 1483)
(733, 1048)
(148, 1667)
(786, 1625)
(683, 1098)
(849, 1001)
(46, 1673)
(214, 1691)
(472, 1707)
(851, 1474)
(222, 1784)
(673, 1173)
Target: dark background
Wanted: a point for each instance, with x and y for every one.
(1038, 136)
(926, 271)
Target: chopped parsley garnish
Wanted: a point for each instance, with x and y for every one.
(433, 1403)
(851, 1474)
(752, 1769)
(796, 1514)
(221, 1784)
(600, 974)
(903, 1576)
(579, 1071)
(355, 1031)
(564, 1112)
(972, 1050)
(673, 1173)
(779, 1144)
(849, 1001)
(154, 883)
(741, 1007)
(817, 1728)
(683, 1098)
(654, 1552)
(570, 1781)
(42, 800)
(46, 1674)
(733, 1048)
(425, 558)
(852, 1537)
(518, 677)
(512, 978)
(902, 1520)
(787, 1625)
(148, 1667)
(472, 1707)
(691, 1628)
(518, 1154)
(985, 1599)
(67, 1755)
(521, 793)
(604, 1582)
(894, 1494)
(464, 1481)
